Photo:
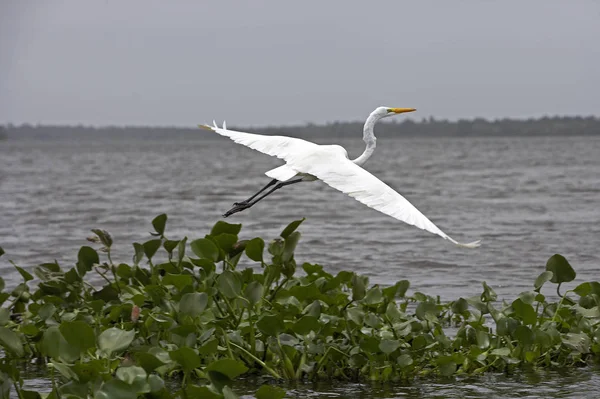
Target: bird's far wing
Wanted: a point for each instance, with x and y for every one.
(287, 148)
(342, 174)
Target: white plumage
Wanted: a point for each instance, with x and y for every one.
(330, 164)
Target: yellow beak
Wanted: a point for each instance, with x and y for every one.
(401, 110)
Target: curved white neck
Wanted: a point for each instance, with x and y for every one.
(369, 139)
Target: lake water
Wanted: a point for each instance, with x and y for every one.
(526, 198)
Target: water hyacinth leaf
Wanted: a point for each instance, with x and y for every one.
(228, 367)
(229, 284)
(11, 342)
(181, 249)
(24, 273)
(562, 270)
(55, 346)
(404, 360)
(187, 358)
(290, 228)
(254, 292)
(542, 279)
(255, 248)
(150, 247)
(159, 223)
(170, 245)
(388, 346)
(86, 259)
(138, 253)
(132, 375)
(148, 361)
(179, 281)
(4, 316)
(222, 227)
(460, 306)
(115, 340)
(2, 284)
(116, 389)
(501, 351)
(489, 295)
(483, 339)
(205, 249)
(578, 342)
(524, 335)
(2, 251)
(270, 325)
(305, 325)
(524, 311)
(193, 303)
(270, 392)
(226, 242)
(155, 382)
(359, 287)
(204, 392)
(104, 236)
(78, 334)
(290, 243)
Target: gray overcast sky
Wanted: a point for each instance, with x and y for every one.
(182, 62)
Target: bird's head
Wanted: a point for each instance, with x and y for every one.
(384, 112)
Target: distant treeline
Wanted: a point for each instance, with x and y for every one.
(546, 126)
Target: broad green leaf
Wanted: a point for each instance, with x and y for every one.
(460, 306)
(255, 248)
(139, 253)
(254, 292)
(222, 227)
(228, 367)
(193, 303)
(2, 251)
(179, 281)
(132, 375)
(524, 335)
(187, 358)
(291, 228)
(290, 243)
(270, 392)
(541, 279)
(86, 258)
(562, 270)
(404, 360)
(115, 340)
(56, 346)
(305, 325)
(229, 284)
(116, 389)
(205, 249)
(270, 324)
(148, 361)
(159, 223)
(11, 342)
(150, 247)
(501, 352)
(524, 311)
(359, 287)
(78, 334)
(24, 273)
(387, 346)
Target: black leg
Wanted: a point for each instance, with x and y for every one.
(240, 206)
(269, 184)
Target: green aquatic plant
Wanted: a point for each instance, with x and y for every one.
(209, 311)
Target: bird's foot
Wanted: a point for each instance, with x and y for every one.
(238, 207)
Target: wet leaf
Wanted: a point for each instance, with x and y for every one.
(148, 361)
(150, 247)
(228, 367)
(255, 248)
(388, 346)
(222, 227)
(78, 334)
(270, 325)
(291, 228)
(159, 223)
(11, 342)
(115, 340)
(270, 392)
(541, 279)
(229, 284)
(205, 249)
(561, 269)
(186, 358)
(254, 292)
(193, 304)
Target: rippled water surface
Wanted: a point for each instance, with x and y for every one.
(527, 198)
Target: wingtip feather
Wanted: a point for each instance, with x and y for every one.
(474, 244)
(207, 127)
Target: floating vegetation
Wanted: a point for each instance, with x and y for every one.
(198, 316)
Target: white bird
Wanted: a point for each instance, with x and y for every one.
(307, 161)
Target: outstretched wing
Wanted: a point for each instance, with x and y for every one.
(289, 149)
(331, 165)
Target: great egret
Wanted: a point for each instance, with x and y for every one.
(306, 161)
